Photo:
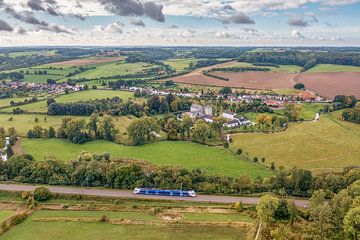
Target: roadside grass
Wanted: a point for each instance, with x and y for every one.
(180, 64)
(38, 230)
(185, 154)
(319, 146)
(5, 214)
(24, 122)
(41, 106)
(333, 68)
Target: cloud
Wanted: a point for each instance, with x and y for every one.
(21, 31)
(56, 29)
(137, 22)
(297, 34)
(4, 26)
(25, 16)
(250, 31)
(302, 21)
(224, 34)
(173, 26)
(239, 18)
(113, 28)
(134, 8)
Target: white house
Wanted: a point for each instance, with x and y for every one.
(229, 115)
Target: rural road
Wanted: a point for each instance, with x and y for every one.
(129, 194)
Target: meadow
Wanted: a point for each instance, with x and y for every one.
(280, 69)
(329, 144)
(5, 214)
(41, 106)
(114, 68)
(42, 230)
(24, 122)
(180, 64)
(185, 154)
(333, 68)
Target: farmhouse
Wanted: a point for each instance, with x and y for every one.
(198, 111)
(234, 121)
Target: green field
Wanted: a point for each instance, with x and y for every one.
(328, 144)
(114, 68)
(180, 64)
(281, 68)
(41, 106)
(185, 154)
(29, 53)
(38, 230)
(5, 214)
(24, 122)
(334, 68)
(308, 110)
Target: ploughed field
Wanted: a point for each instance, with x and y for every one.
(330, 84)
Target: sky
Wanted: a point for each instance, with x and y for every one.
(180, 22)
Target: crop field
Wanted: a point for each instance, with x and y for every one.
(112, 69)
(280, 69)
(184, 154)
(326, 68)
(328, 144)
(180, 64)
(41, 106)
(332, 84)
(24, 122)
(279, 78)
(87, 61)
(29, 53)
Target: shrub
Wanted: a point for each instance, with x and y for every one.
(226, 145)
(41, 194)
(104, 218)
(239, 151)
(256, 159)
(299, 86)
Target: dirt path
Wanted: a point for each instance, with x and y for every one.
(17, 147)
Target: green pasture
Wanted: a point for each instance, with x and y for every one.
(333, 68)
(180, 64)
(185, 154)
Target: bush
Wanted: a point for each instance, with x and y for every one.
(299, 86)
(226, 145)
(239, 151)
(104, 218)
(256, 159)
(41, 194)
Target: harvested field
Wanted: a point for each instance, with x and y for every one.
(332, 84)
(87, 61)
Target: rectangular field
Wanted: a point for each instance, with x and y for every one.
(41, 106)
(184, 154)
(332, 84)
(326, 68)
(328, 144)
(87, 61)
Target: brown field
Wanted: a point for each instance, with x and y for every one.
(251, 80)
(87, 61)
(332, 84)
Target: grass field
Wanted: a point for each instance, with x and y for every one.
(35, 230)
(24, 122)
(280, 69)
(334, 68)
(38, 226)
(41, 106)
(328, 144)
(308, 110)
(180, 64)
(185, 154)
(114, 68)
(5, 214)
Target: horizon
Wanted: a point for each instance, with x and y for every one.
(309, 23)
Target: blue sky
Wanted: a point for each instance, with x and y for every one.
(186, 22)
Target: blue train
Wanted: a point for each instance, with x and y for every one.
(162, 192)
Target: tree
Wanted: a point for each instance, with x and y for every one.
(41, 194)
(171, 129)
(218, 124)
(107, 129)
(352, 223)
(266, 211)
(299, 86)
(51, 133)
(225, 90)
(320, 215)
(200, 131)
(186, 125)
(292, 111)
(143, 130)
(264, 120)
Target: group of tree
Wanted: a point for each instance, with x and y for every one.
(268, 122)
(334, 216)
(101, 170)
(352, 114)
(40, 132)
(12, 135)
